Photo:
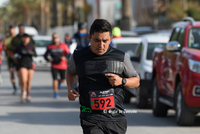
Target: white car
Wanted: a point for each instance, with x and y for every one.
(142, 62)
(29, 30)
(127, 45)
(41, 46)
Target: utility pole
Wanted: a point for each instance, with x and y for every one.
(54, 13)
(126, 12)
(42, 15)
(73, 11)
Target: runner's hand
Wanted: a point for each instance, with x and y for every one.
(51, 60)
(115, 80)
(73, 94)
(63, 58)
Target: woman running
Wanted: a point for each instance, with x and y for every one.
(25, 52)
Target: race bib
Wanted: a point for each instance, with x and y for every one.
(101, 100)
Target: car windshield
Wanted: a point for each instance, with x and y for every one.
(194, 38)
(42, 43)
(125, 47)
(151, 47)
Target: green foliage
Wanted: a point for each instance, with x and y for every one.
(19, 10)
(194, 10)
(175, 11)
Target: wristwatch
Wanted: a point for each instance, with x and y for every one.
(123, 81)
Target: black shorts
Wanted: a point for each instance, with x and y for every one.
(55, 72)
(104, 127)
(11, 63)
(27, 65)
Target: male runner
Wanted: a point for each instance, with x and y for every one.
(103, 72)
(10, 56)
(56, 54)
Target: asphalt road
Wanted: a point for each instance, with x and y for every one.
(46, 115)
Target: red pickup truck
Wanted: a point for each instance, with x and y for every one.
(176, 73)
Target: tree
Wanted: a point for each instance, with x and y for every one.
(194, 10)
(126, 12)
(175, 11)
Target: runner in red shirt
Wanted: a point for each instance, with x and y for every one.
(56, 54)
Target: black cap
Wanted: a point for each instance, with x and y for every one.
(11, 26)
(25, 35)
(82, 25)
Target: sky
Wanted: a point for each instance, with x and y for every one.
(2, 2)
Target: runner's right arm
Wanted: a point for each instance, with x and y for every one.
(46, 55)
(71, 80)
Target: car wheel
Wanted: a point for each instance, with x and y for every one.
(140, 101)
(127, 96)
(159, 109)
(184, 117)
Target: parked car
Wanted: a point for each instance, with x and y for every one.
(41, 43)
(129, 34)
(142, 62)
(127, 45)
(143, 30)
(176, 73)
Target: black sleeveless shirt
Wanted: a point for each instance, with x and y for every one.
(91, 70)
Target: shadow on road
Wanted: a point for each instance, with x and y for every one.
(144, 117)
(44, 118)
(55, 104)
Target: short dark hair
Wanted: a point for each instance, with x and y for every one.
(11, 26)
(25, 35)
(21, 25)
(100, 25)
(82, 25)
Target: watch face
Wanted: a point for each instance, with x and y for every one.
(124, 81)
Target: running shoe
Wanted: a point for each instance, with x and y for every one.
(23, 96)
(56, 95)
(28, 98)
(15, 92)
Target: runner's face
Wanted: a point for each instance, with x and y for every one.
(21, 30)
(26, 40)
(12, 31)
(56, 39)
(100, 42)
(82, 31)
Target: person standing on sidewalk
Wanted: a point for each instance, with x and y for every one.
(10, 56)
(103, 72)
(80, 39)
(56, 54)
(24, 53)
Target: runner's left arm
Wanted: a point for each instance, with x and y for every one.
(129, 73)
(33, 52)
(67, 52)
